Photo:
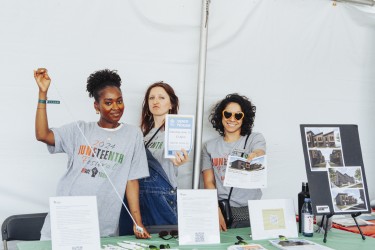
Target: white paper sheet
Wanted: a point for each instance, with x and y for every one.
(271, 218)
(298, 244)
(179, 132)
(242, 173)
(198, 217)
(74, 223)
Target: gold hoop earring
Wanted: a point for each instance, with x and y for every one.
(97, 112)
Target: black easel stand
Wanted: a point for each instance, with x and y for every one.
(355, 220)
(326, 228)
(329, 216)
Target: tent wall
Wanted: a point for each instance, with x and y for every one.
(299, 61)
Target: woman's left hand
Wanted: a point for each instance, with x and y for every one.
(255, 153)
(180, 158)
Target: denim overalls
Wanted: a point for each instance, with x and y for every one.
(157, 199)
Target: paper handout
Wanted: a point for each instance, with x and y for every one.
(179, 132)
(198, 216)
(74, 223)
(242, 173)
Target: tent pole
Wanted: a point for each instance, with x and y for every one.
(200, 93)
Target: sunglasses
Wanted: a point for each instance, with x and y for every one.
(162, 246)
(238, 115)
(164, 234)
(240, 241)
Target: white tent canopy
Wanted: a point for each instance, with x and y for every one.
(299, 61)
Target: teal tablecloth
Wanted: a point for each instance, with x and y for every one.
(336, 239)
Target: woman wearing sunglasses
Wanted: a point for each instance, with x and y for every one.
(233, 117)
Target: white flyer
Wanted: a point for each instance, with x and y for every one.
(74, 223)
(179, 132)
(198, 216)
(242, 173)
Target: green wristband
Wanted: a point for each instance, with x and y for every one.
(53, 102)
(48, 101)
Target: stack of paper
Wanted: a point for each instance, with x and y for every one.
(348, 221)
(298, 244)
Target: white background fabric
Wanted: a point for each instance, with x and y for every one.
(299, 61)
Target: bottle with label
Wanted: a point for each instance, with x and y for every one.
(301, 197)
(307, 218)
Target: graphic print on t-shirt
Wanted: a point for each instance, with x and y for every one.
(155, 145)
(99, 155)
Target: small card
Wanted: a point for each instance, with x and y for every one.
(179, 132)
(271, 218)
(74, 223)
(198, 216)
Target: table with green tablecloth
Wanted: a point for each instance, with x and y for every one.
(336, 239)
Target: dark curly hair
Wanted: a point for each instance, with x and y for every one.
(101, 79)
(247, 107)
(147, 119)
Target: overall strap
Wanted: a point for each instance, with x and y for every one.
(152, 137)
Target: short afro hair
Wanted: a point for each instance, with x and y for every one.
(101, 79)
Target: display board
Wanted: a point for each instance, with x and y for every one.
(334, 168)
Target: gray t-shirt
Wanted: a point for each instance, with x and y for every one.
(215, 155)
(122, 157)
(156, 147)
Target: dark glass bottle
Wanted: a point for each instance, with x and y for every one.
(307, 219)
(301, 198)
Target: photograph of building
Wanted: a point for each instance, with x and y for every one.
(347, 200)
(336, 158)
(350, 177)
(317, 159)
(243, 165)
(324, 147)
(343, 199)
(323, 137)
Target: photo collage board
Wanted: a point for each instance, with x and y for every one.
(334, 168)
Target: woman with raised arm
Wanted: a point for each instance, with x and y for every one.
(233, 117)
(98, 155)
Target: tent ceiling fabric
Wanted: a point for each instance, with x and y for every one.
(365, 2)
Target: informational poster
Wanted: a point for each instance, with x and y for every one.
(198, 216)
(335, 170)
(179, 132)
(74, 223)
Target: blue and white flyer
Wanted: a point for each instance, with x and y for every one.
(179, 131)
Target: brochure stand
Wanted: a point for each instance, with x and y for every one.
(335, 171)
